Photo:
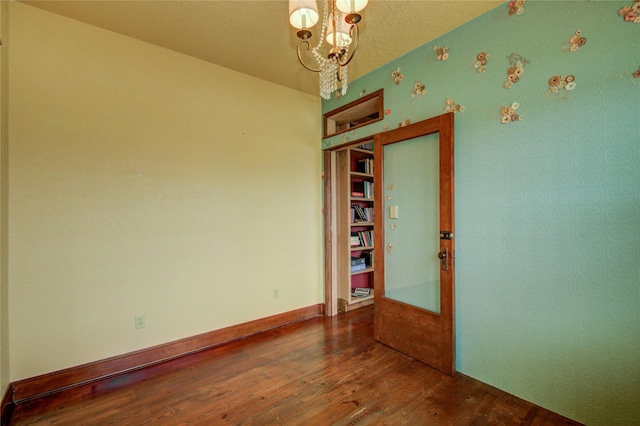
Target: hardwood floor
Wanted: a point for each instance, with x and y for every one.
(322, 371)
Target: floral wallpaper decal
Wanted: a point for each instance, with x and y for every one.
(442, 53)
(509, 113)
(577, 41)
(397, 76)
(387, 111)
(481, 62)
(516, 7)
(631, 13)
(566, 82)
(404, 123)
(451, 106)
(418, 89)
(516, 69)
(630, 74)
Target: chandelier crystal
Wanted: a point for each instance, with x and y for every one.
(340, 30)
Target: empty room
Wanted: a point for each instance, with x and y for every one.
(190, 189)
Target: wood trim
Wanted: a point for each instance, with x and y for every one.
(328, 236)
(350, 143)
(447, 222)
(35, 387)
(354, 104)
(7, 406)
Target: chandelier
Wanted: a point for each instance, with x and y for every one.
(339, 28)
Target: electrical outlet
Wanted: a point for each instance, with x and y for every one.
(139, 321)
(276, 293)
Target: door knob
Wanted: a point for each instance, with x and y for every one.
(444, 259)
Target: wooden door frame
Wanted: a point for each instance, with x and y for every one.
(330, 296)
(330, 229)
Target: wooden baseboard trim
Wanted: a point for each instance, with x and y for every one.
(7, 406)
(36, 387)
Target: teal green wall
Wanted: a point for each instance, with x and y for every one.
(548, 208)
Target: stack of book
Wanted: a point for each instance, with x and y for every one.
(361, 292)
(362, 189)
(358, 264)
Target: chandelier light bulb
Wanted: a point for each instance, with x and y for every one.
(351, 6)
(342, 34)
(303, 14)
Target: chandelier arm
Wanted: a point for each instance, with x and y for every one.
(300, 56)
(353, 33)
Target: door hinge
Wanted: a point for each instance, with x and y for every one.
(446, 235)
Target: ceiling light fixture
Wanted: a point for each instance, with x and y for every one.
(340, 27)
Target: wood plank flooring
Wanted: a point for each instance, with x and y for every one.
(323, 371)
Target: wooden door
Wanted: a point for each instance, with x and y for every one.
(414, 259)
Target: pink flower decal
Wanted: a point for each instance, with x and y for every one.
(631, 13)
(481, 62)
(557, 82)
(418, 89)
(577, 41)
(442, 53)
(397, 76)
(516, 7)
(515, 70)
(451, 106)
(509, 113)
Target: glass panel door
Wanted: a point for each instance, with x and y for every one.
(412, 222)
(414, 309)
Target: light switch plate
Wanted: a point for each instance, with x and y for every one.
(393, 212)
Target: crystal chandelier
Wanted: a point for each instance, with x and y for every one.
(340, 26)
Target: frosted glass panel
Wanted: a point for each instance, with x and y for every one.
(411, 221)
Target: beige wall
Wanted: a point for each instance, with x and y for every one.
(147, 182)
(4, 205)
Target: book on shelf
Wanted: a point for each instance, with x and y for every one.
(363, 239)
(358, 268)
(368, 256)
(367, 146)
(362, 187)
(358, 261)
(361, 292)
(361, 214)
(365, 165)
(357, 194)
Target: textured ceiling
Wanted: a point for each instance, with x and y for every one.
(255, 38)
